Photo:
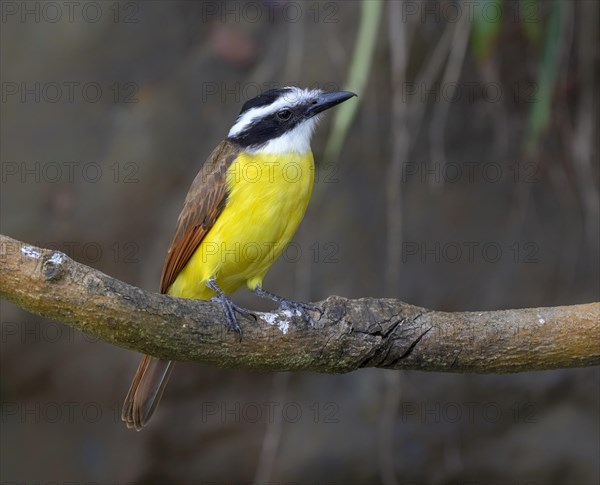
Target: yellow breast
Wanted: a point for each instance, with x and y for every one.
(268, 196)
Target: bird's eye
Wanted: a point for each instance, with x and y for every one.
(284, 114)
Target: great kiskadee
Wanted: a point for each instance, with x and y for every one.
(241, 211)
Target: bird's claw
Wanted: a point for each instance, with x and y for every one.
(230, 308)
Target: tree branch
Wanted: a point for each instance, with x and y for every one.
(367, 332)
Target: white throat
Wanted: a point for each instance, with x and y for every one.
(296, 140)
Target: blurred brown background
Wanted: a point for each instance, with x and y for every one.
(468, 180)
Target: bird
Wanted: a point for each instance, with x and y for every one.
(241, 210)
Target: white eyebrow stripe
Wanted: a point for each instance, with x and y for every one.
(292, 98)
(255, 113)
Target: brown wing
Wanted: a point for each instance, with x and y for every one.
(203, 204)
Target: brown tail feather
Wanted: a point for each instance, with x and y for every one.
(145, 392)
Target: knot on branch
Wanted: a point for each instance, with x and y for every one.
(53, 267)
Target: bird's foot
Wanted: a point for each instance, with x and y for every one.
(295, 307)
(301, 309)
(229, 308)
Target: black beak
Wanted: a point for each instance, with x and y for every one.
(326, 101)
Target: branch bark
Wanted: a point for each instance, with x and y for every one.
(350, 334)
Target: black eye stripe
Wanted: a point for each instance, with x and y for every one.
(269, 127)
